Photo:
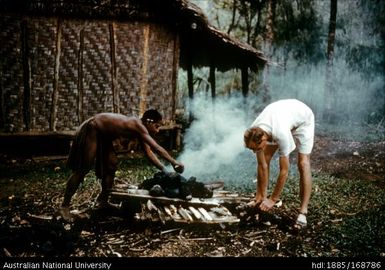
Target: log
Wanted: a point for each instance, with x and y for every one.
(211, 202)
(185, 214)
(205, 214)
(195, 213)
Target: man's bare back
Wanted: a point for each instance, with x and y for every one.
(93, 141)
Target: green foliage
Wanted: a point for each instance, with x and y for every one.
(364, 48)
(296, 25)
(298, 30)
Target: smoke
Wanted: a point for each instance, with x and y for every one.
(215, 137)
(213, 144)
(356, 98)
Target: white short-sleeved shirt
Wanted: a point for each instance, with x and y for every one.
(288, 120)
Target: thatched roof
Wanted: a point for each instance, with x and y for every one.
(201, 43)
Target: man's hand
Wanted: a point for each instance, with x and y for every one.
(178, 167)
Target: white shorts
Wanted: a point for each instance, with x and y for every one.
(304, 137)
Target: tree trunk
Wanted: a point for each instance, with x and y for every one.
(329, 89)
(268, 48)
(232, 24)
(245, 81)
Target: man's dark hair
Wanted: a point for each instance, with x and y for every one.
(152, 115)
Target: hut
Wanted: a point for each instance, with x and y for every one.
(63, 61)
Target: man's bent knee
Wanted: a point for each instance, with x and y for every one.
(304, 163)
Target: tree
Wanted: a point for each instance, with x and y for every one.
(329, 90)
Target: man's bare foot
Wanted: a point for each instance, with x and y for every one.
(65, 213)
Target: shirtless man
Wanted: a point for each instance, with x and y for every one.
(93, 144)
(282, 125)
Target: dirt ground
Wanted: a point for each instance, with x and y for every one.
(349, 159)
(29, 226)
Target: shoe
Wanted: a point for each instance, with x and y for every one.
(278, 203)
(301, 221)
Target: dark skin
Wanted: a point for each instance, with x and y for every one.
(112, 127)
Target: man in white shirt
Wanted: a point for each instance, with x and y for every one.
(283, 125)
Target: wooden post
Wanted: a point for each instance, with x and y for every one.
(212, 81)
(177, 138)
(55, 93)
(190, 81)
(190, 87)
(245, 81)
(175, 65)
(144, 82)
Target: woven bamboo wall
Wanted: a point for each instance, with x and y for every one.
(56, 73)
(11, 84)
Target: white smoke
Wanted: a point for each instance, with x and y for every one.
(213, 146)
(215, 137)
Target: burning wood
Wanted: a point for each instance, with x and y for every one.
(174, 185)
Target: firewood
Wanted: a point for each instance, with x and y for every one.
(39, 217)
(205, 214)
(183, 212)
(162, 216)
(167, 210)
(117, 254)
(170, 231)
(195, 213)
(7, 253)
(174, 212)
(173, 209)
(151, 206)
(221, 211)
